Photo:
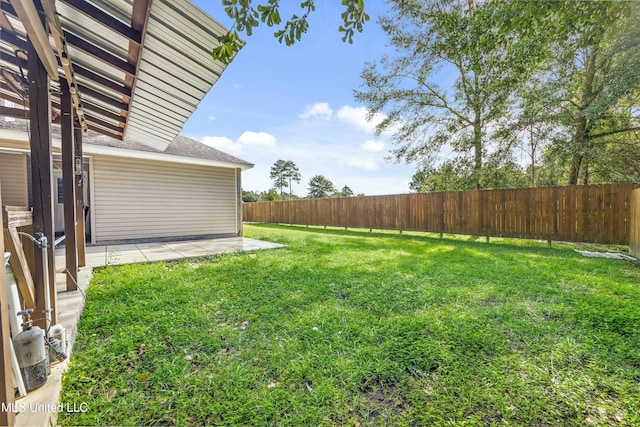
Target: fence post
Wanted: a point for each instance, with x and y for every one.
(442, 213)
(634, 230)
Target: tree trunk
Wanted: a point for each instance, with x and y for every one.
(533, 157)
(579, 146)
(583, 179)
(477, 148)
(581, 135)
(477, 145)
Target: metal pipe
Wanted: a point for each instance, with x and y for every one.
(42, 243)
(47, 294)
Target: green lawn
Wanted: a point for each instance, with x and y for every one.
(359, 328)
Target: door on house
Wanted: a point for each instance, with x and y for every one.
(58, 203)
(58, 206)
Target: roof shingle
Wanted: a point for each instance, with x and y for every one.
(180, 146)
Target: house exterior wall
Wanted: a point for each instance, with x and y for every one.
(138, 199)
(13, 175)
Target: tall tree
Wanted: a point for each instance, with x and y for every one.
(530, 128)
(503, 172)
(346, 191)
(449, 176)
(271, 195)
(277, 174)
(248, 16)
(250, 196)
(292, 174)
(320, 187)
(283, 172)
(594, 70)
(485, 45)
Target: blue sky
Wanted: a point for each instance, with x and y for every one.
(296, 103)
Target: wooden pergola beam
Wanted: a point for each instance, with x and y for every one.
(139, 20)
(8, 93)
(18, 113)
(104, 98)
(96, 122)
(28, 14)
(105, 19)
(58, 38)
(101, 111)
(99, 122)
(19, 264)
(14, 41)
(12, 82)
(11, 58)
(79, 181)
(102, 81)
(42, 186)
(69, 188)
(5, 25)
(118, 136)
(99, 53)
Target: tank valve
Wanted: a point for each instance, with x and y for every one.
(27, 323)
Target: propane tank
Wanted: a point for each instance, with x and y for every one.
(31, 353)
(57, 344)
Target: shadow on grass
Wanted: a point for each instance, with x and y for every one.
(459, 241)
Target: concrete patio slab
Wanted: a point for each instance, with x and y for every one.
(187, 249)
(99, 256)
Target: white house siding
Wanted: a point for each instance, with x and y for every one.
(139, 199)
(13, 176)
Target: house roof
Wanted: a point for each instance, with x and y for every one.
(181, 150)
(137, 68)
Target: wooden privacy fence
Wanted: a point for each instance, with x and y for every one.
(634, 232)
(594, 213)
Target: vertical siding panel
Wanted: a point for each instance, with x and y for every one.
(13, 175)
(139, 199)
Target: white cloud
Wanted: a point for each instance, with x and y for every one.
(252, 140)
(319, 109)
(257, 139)
(357, 116)
(212, 118)
(363, 163)
(223, 143)
(372, 146)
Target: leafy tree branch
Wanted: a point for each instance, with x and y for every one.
(247, 16)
